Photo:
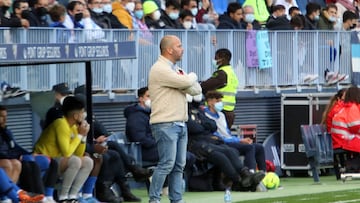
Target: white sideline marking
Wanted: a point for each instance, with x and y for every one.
(345, 201)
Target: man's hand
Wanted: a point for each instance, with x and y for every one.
(246, 140)
(249, 26)
(101, 139)
(25, 23)
(83, 128)
(100, 149)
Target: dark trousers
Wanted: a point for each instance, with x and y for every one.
(30, 177)
(254, 154)
(227, 160)
(112, 168)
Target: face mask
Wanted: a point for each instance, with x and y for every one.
(194, 11)
(174, 16)
(148, 103)
(139, 14)
(219, 106)
(249, 18)
(78, 17)
(25, 14)
(130, 6)
(317, 17)
(187, 24)
(41, 11)
(156, 15)
(97, 10)
(107, 8)
(332, 19)
(214, 63)
(353, 26)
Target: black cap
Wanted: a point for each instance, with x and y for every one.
(80, 89)
(62, 88)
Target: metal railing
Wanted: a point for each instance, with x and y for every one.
(295, 54)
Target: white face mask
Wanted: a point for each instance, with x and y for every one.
(187, 24)
(156, 15)
(148, 103)
(107, 8)
(130, 6)
(194, 11)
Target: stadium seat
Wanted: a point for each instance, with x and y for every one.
(318, 148)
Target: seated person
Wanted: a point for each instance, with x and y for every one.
(345, 124)
(21, 166)
(65, 140)
(335, 105)
(213, 111)
(211, 148)
(9, 190)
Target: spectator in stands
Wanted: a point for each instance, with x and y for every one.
(350, 20)
(213, 111)
(231, 19)
(38, 14)
(312, 16)
(76, 13)
(211, 148)
(203, 11)
(278, 19)
(248, 21)
(65, 140)
(57, 14)
(121, 10)
(345, 5)
(328, 17)
(191, 5)
(223, 80)
(9, 190)
(114, 22)
(260, 8)
(293, 11)
(6, 20)
(168, 85)
(145, 34)
(97, 15)
(153, 16)
(297, 22)
(287, 4)
(335, 104)
(170, 16)
(15, 159)
(345, 124)
(186, 18)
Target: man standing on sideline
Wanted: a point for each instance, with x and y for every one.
(168, 85)
(223, 80)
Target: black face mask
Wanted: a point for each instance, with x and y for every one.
(5, 8)
(41, 11)
(78, 17)
(25, 14)
(353, 26)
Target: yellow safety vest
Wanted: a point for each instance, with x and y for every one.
(229, 91)
(260, 9)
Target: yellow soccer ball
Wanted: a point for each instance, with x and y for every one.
(271, 180)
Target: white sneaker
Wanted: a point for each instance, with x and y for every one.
(310, 78)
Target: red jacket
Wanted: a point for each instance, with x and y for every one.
(334, 110)
(345, 131)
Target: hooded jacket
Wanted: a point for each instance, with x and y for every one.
(138, 130)
(225, 22)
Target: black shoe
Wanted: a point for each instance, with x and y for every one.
(105, 194)
(126, 193)
(140, 174)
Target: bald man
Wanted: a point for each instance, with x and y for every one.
(168, 85)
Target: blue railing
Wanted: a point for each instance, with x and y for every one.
(294, 56)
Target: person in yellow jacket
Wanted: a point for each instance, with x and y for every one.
(223, 80)
(261, 11)
(121, 9)
(65, 141)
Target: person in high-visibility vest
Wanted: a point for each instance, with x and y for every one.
(223, 80)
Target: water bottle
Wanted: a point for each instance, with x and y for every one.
(227, 196)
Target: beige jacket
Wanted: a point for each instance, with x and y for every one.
(168, 87)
